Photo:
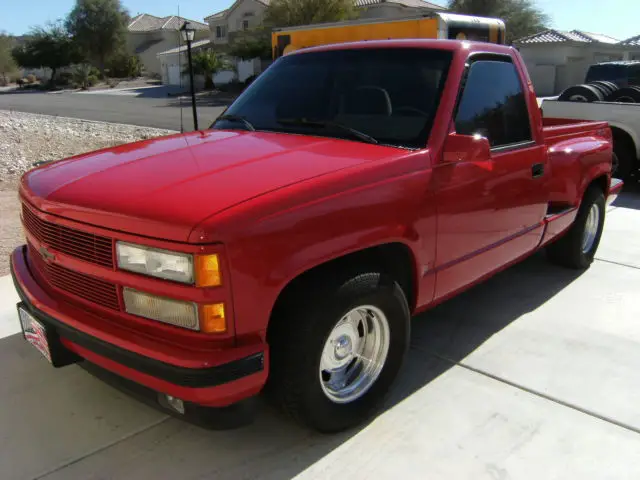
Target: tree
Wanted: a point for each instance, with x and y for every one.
(255, 43)
(208, 63)
(289, 13)
(521, 17)
(7, 64)
(51, 47)
(99, 27)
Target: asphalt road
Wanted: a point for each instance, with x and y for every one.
(145, 110)
(531, 375)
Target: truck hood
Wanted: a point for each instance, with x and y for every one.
(162, 188)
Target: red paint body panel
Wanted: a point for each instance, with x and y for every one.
(275, 205)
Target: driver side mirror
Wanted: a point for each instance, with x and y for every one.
(466, 148)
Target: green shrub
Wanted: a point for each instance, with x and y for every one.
(123, 65)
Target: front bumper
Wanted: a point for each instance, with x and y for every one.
(235, 374)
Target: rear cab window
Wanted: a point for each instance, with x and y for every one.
(492, 104)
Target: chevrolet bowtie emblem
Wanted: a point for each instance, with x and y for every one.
(46, 254)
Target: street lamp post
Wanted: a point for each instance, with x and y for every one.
(188, 34)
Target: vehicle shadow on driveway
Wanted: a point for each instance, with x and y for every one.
(273, 447)
(630, 197)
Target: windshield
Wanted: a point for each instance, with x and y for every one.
(388, 96)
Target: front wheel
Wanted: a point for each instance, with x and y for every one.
(338, 349)
(577, 247)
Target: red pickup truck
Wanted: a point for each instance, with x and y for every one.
(287, 246)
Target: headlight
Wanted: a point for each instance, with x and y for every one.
(155, 262)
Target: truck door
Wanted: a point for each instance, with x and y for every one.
(490, 210)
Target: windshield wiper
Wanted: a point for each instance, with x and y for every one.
(236, 118)
(306, 122)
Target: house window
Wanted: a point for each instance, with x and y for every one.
(245, 24)
(220, 33)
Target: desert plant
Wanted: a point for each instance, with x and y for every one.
(85, 76)
(31, 78)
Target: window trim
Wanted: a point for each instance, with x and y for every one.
(495, 57)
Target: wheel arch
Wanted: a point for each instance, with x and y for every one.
(624, 134)
(395, 259)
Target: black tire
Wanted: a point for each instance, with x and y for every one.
(626, 95)
(298, 338)
(581, 93)
(624, 162)
(604, 90)
(609, 86)
(567, 251)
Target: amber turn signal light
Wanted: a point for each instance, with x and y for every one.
(212, 319)
(207, 270)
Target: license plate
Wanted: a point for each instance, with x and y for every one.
(35, 333)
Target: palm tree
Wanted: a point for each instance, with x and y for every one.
(208, 63)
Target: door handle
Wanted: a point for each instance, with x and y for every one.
(537, 170)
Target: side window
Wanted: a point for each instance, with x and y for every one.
(493, 104)
(634, 75)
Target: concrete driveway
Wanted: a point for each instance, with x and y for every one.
(532, 375)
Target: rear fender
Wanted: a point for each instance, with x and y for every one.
(575, 163)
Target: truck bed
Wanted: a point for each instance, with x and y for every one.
(555, 129)
(621, 117)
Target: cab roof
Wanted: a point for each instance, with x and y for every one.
(434, 44)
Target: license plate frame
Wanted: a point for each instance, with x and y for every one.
(44, 337)
(35, 333)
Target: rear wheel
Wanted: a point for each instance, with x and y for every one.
(578, 246)
(336, 351)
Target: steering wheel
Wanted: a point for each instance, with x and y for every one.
(411, 110)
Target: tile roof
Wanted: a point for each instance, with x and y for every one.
(183, 48)
(406, 3)
(216, 15)
(150, 23)
(633, 41)
(559, 36)
(222, 13)
(359, 3)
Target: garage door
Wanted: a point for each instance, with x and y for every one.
(173, 73)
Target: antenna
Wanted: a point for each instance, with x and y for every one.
(180, 72)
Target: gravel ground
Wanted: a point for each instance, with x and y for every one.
(26, 138)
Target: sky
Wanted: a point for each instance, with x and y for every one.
(616, 18)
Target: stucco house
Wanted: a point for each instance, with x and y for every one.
(149, 35)
(558, 59)
(247, 14)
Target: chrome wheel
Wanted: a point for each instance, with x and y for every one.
(591, 229)
(354, 354)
